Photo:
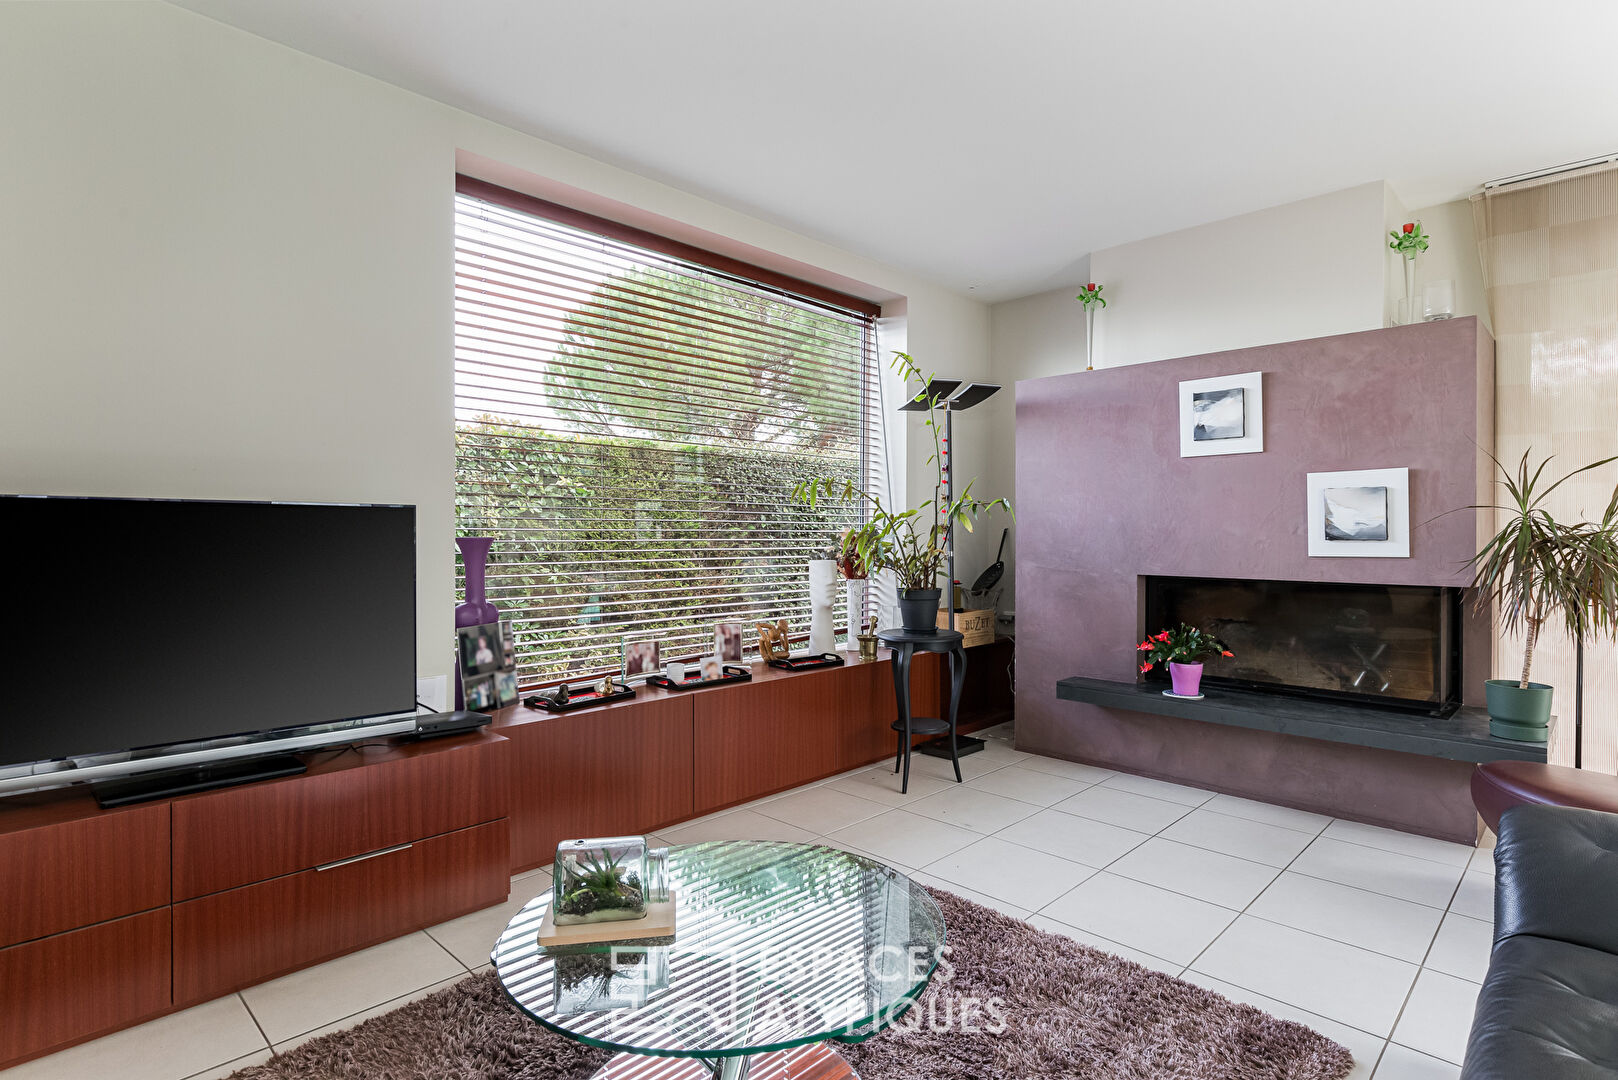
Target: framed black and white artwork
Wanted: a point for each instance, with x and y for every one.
(1360, 514)
(1222, 415)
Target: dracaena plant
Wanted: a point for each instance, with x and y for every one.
(1538, 569)
(912, 543)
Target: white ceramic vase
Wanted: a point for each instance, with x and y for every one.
(822, 605)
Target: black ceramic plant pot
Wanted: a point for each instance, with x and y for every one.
(918, 609)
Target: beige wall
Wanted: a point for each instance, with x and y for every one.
(1302, 270)
(227, 271)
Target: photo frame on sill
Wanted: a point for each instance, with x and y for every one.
(487, 665)
(1222, 415)
(505, 688)
(640, 657)
(480, 693)
(479, 648)
(729, 639)
(508, 646)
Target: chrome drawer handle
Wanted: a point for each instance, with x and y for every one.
(368, 855)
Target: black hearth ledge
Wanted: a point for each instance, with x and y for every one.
(1462, 736)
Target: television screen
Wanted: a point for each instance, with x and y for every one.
(132, 623)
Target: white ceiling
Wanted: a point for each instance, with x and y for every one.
(989, 144)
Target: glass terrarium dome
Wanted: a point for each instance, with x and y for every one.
(607, 879)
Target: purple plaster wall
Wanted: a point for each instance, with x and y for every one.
(1103, 497)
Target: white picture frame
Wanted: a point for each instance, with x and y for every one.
(1236, 403)
(1359, 503)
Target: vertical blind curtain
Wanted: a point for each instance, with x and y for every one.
(628, 428)
(1550, 270)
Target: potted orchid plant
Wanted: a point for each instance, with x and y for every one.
(1183, 649)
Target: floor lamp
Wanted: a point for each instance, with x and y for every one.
(952, 397)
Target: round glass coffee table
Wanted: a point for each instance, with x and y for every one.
(779, 949)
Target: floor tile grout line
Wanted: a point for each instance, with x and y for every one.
(1110, 941)
(1463, 867)
(464, 965)
(1404, 1003)
(1361, 888)
(1192, 965)
(1364, 889)
(261, 1032)
(1411, 992)
(303, 1036)
(1274, 825)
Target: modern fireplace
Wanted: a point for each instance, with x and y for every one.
(1395, 646)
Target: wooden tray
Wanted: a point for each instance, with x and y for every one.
(584, 699)
(732, 673)
(808, 663)
(658, 923)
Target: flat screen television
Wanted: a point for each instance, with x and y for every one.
(137, 632)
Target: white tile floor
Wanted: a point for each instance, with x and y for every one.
(1377, 939)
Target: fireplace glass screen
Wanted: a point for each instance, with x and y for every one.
(1389, 644)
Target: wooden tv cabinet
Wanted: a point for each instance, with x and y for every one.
(112, 917)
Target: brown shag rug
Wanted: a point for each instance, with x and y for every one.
(1071, 1012)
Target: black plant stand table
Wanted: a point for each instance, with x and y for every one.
(905, 644)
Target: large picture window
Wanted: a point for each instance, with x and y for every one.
(629, 421)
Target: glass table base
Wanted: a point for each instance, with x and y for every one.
(817, 1062)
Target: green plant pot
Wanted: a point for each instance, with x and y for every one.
(1516, 713)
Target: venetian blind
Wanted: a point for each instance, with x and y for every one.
(628, 426)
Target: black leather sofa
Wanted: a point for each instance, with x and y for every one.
(1549, 1005)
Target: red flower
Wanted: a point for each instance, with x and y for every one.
(1226, 652)
(1091, 286)
(1410, 227)
(1164, 636)
(1144, 668)
(1144, 646)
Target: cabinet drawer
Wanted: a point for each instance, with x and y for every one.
(69, 987)
(85, 871)
(246, 834)
(231, 838)
(449, 789)
(236, 938)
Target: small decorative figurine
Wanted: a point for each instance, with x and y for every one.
(606, 687)
(560, 697)
(867, 639)
(772, 640)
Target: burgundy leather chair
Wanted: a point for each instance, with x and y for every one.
(1499, 785)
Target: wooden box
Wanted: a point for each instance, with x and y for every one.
(976, 627)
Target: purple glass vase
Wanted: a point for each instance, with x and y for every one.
(476, 610)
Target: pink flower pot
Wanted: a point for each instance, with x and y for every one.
(1187, 678)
